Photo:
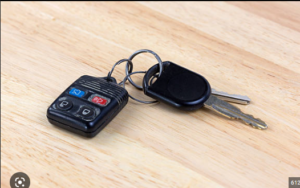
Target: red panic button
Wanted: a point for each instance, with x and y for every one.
(99, 100)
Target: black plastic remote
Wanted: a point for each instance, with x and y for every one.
(88, 105)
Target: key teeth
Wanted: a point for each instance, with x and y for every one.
(261, 122)
(234, 112)
(255, 124)
(263, 127)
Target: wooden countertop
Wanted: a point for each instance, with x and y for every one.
(247, 48)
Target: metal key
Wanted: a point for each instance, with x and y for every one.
(188, 90)
(216, 102)
(240, 99)
(232, 112)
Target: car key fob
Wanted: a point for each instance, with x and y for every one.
(177, 86)
(88, 105)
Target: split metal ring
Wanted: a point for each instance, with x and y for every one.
(123, 83)
(128, 68)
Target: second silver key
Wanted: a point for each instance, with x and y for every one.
(239, 99)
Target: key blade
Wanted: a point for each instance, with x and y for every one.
(233, 112)
(239, 99)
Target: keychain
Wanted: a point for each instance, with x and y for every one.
(90, 103)
(188, 90)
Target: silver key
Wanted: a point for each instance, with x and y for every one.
(240, 99)
(232, 112)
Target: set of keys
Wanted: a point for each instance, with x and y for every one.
(90, 103)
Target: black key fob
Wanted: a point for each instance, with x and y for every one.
(177, 86)
(87, 105)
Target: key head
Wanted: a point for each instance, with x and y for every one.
(177, 86)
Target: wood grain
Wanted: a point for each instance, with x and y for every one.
(248, 48)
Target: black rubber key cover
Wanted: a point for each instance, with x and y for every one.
(177, 86)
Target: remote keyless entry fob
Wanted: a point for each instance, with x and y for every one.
(88, 105)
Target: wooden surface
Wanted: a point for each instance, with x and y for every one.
(245, 48)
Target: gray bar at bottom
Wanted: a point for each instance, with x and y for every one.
(294, 182)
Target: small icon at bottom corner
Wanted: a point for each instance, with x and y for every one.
(19, 180)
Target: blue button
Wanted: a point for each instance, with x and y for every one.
(76, 92)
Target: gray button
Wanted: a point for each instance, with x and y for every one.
(86, 112)
(64, 104)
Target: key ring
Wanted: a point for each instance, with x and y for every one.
(128, 68)
(127, 77)
(118, 63)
